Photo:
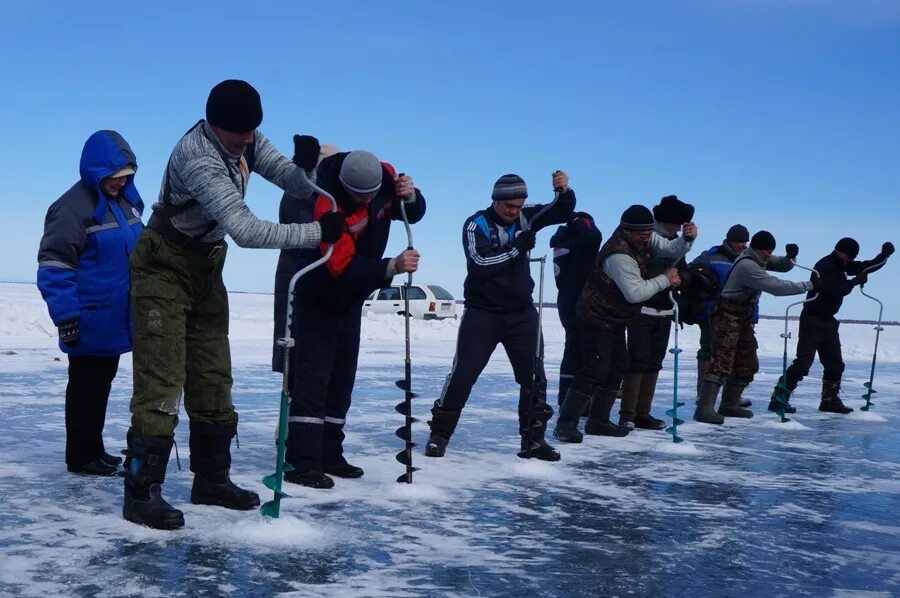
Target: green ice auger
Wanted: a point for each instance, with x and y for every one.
(675, 350)
(273, 481)
(782, 397)
(878, 328)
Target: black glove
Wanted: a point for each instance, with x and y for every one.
(525, 241)
(860, 279)
(306, 152)
(791, 250)
(69, 332)
(887, 249)
(332, 224)
(817, 283)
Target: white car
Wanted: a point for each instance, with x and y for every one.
(426, 302)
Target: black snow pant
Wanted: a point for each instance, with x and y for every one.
(87, 394)
(648, 339)
(479, 333)
(571, 359)
(604, 359)
(323, 370)
(817, 335)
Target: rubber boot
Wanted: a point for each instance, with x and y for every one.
(211, 463)
(145, 471)
(731, 401)
(643, 419)
(443, 424)
(780, 391)
(534, 444)
(631, 389)
(831, 402)
(566, 429)
(598, 423)
(702, 368)
(706, 404)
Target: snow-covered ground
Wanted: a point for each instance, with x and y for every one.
(804, 508)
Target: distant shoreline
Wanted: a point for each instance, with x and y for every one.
(546, 304)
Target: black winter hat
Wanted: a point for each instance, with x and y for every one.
(763, 240)
(672, 210)
(637, 217)
(848, 246)
(509, 186)
(738, 234)
(234, 105)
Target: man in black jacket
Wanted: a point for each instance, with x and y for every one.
(575, 246)
(500, 309)
(818, 331)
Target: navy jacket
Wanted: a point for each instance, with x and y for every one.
(83, 257)
(575, 247)
(835, 285)
(498, 275)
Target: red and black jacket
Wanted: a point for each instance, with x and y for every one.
(357, 265)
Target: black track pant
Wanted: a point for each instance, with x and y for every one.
(817, 335)
(479, 333)
(603, 359)
(90, 379)
(648, 339)
(571, 359)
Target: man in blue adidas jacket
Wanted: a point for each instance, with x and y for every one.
(500, 309)
(83, 276)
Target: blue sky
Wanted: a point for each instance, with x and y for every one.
(779, 115)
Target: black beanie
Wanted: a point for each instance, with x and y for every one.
(234, 105)
(848, 246)
(738, 234)
(509, 186)
(763, 240)
(672, 210)
(637, 217)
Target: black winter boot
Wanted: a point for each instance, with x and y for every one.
(443, 423)
(533, 443)
(643, 419)
(629, 393)
(598, 423)
(706, 404)
(211, 461)
(145, 471)
(731, 401)
(573, 406)
(785, 394)
(310, 479)
(831, 402)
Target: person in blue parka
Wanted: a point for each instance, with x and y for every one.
(83, 276)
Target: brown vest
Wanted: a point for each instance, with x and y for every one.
(601, 303)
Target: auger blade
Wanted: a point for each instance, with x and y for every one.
(404, 433)
(406, 478)
(269, 482)
(405, 456)
(403, 409)
(402, 385)
(676, 421)
(271, 509)
(673, 412)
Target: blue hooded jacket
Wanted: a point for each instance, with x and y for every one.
(83, 257)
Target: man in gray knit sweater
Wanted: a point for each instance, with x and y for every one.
(180, 304)
(733, 341)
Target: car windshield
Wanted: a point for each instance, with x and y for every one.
(440, 293)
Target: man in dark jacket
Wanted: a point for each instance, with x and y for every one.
(575, 246)
(610, 300)
(500, 309)
(648, 333)
(328, 307)
(818, 331)
(83, 276)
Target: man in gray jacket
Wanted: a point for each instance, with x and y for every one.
(733, 341)
(180, 304)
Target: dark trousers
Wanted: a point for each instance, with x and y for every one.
(87, 394)
(604, 359)
(571, 359)
(323, 371)
(648, 339)
(480, 332)
(704, 352)
(817, 335)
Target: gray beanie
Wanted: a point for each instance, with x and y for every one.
(509, 186)
(738, 234)
(361, 172)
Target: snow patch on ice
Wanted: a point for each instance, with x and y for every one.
(681, 448)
